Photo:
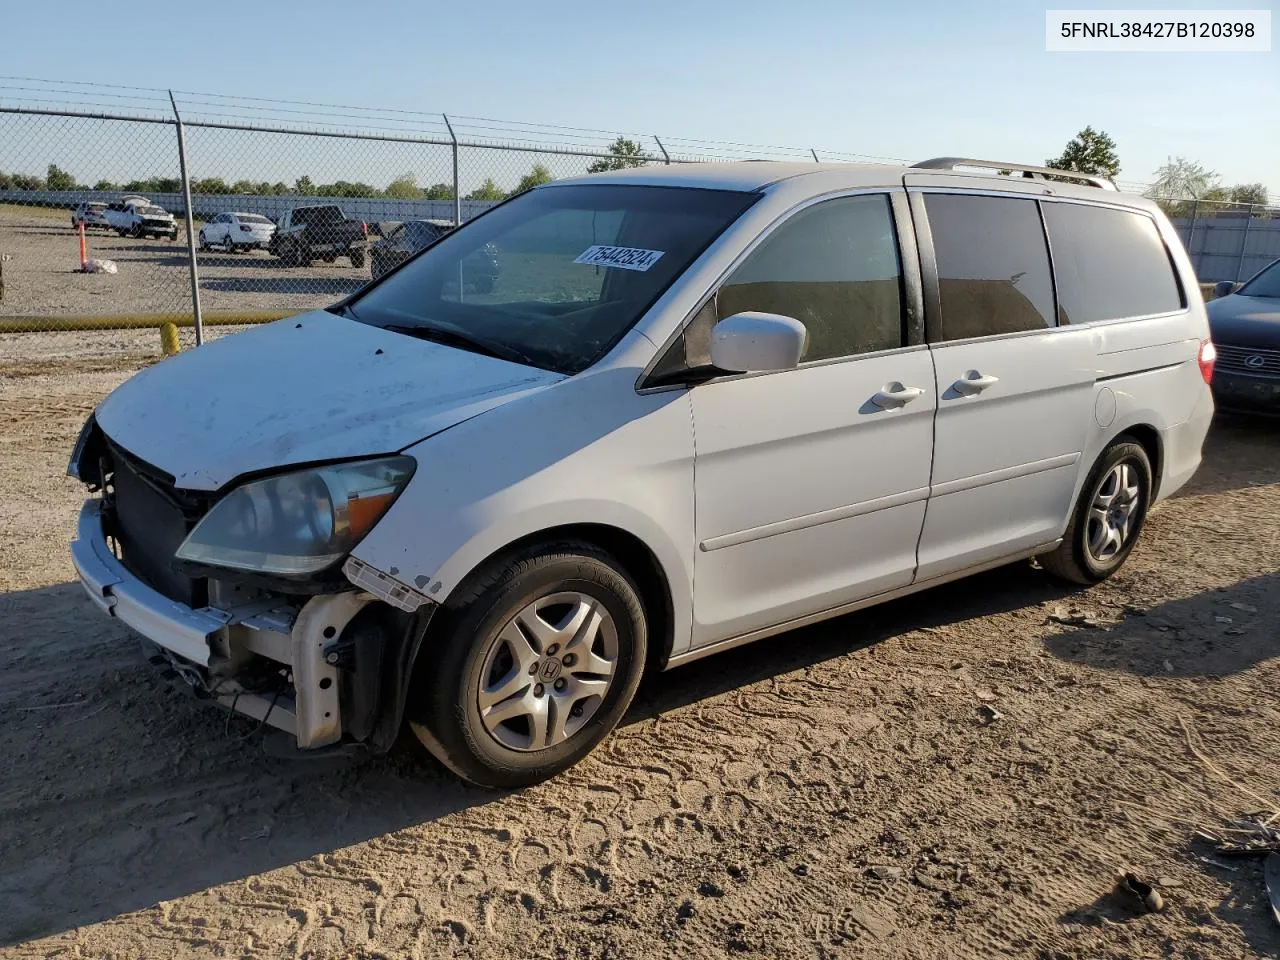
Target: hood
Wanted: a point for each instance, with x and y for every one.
(1245, 321)
(306, 389)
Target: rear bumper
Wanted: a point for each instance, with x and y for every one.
(1183, 444)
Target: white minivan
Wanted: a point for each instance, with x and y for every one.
(701, 404)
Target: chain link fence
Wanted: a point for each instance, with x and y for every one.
(286, 219)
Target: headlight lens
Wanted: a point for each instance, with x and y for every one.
(296, 524)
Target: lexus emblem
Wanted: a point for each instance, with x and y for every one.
(1257, 360)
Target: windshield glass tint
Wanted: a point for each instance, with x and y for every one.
(556, 276)
(1265, 284)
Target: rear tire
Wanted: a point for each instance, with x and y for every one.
(1108, 518)
(529, 665)
(357, 258)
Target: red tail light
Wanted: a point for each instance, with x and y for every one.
(1208, 354)
(364, 228)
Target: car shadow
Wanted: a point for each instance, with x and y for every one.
(995, 591)
(107, 772)
(184, 795)
(1212, 634)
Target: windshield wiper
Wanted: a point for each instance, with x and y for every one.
(465, 341)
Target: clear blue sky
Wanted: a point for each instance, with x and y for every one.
(909, 80)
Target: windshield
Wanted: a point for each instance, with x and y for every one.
(556, 276)
(1265, 284)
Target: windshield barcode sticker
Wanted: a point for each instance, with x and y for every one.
(624, 258)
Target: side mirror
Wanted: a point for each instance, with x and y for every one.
(1223, 288)
(755, 342)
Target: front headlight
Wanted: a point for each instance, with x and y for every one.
(299, 523)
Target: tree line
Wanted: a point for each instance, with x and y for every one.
(1182, 187)
(622, 153)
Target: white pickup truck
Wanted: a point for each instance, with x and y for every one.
(139, 217)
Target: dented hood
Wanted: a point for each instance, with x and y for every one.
(310, 388)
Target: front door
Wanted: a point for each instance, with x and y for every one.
(811, 483)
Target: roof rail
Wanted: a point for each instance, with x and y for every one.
(1037, 173)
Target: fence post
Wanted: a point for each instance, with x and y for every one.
(457, 194)
(1244, 244)
(665, 156)
(1191, 236)
(815, 155)
(191, 226)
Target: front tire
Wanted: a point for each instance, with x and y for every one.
(530, 665)
(1108, 518)
(357, 258)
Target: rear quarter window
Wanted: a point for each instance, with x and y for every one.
(1109, 264)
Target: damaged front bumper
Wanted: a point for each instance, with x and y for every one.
(323, 668)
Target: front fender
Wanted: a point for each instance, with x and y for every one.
(589, 450)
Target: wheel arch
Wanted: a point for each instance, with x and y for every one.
(1147, 437)
(635, 556)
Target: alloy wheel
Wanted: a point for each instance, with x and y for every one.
(1114, 511)
(547, 671)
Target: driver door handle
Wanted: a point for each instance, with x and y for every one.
(973, 383)
(895, 395)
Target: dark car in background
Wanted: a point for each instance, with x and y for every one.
(318, 232)
(1245, 324)
(400, 241)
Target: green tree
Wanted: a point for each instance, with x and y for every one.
(57, 179)
(25, 181)
(345, 188)
(1249, 193)
(1089, 151)
(486, 191)
(245, 186)
(279, 188)
(211, 185)
(304, 187)
(439, 191)
(404, 187)
(623, 153)
(534, 178)
(1182, 179)
(105, 185)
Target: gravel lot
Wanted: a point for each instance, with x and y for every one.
(838, 791)
(42, 275)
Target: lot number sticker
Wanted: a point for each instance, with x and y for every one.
(624, 258)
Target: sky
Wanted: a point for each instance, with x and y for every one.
(899, 80)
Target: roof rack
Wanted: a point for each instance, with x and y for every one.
(1037, 173)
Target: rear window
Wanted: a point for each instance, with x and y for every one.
(1109, 264)
(993, 265)
(251, 218)
(153, 212)
(317, 214)
(96, 206)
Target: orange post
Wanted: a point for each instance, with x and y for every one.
(84, 255)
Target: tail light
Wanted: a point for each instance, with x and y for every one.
(364, 228)
(1207, 355)
(245, 227)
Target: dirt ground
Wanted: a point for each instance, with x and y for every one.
(838, 791)
(41, 275)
